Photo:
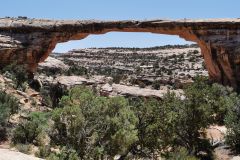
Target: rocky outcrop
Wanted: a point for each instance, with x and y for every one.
(135, 91)
(30, 41)
(70, 81)
(53, 64)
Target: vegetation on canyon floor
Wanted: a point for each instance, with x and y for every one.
(87, 126)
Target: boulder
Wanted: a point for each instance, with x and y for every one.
(53, 64)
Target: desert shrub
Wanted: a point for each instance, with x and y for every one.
(232, 122)
(8, 106)
(175, 122)
(46, 99)
(141, 84)
(180, 154)
(76, 70)
(221, 99)
(52, 94)
(94, 126)
(43, 151)
(156, 84)
(156, 64)
(18, 73)
(138, 70)
(33, 101)
(215, 96)
(24, 148)
(56, 91)
(35, 84)
(172, 123)
(192, 59)
(159, 72)
(32, 129)
(117, 77)
(187, 120)
(51, 71)
(169, 72)
(153, 135)
(204, 104)
(8, 102)
(195, 52)
(64, 154)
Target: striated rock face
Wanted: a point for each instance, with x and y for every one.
(118, 89)
(30, 41)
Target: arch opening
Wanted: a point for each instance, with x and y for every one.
(122, 39)
(143, 60)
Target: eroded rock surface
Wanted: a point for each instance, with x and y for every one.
(53, 64)
(30, 41)
(118, 89)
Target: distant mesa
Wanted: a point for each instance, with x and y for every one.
(30, 41)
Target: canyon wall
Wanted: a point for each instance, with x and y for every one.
(30, 41)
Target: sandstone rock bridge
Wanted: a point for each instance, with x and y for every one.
(30, 41)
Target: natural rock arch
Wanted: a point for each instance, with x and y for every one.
(30, 41)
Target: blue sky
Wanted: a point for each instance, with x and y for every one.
(121, 10)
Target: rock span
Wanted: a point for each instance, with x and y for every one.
(30, 41)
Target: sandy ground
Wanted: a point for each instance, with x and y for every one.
(6, 154)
